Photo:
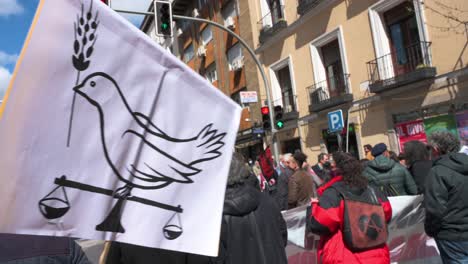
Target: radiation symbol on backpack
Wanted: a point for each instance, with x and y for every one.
(371, 226)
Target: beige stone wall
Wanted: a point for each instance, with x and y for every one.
(449, 38)
(449, 53)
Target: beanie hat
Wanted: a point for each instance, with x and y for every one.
(378, 149)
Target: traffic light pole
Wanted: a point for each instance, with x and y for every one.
(251, 52)
(259, 65)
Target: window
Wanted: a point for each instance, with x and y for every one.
(271, 12)
(400, 38)
(234, 54)
(287, 95)
(211, 74)
(404, 38)
(207, 35)
(230, 10)
(189, 53)
(333, 68)
(329, 64)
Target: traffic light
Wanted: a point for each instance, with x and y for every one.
(279, 123)
(266, 117)
(163, 18)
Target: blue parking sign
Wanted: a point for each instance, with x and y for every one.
(335, 121)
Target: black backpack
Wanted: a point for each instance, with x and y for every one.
(364, 224)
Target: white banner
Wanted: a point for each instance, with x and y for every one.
(106, 136)
(407, 241)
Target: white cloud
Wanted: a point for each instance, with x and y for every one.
(10, 7)
(5, 77)
(7, 58)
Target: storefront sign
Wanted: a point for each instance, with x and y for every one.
(249, 97)
(440, 123)
(409, 131)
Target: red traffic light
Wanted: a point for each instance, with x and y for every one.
(265, 110)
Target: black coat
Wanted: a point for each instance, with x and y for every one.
(445, 198)
(281, 195)
(252, 224)
(419, 170)
(254, 230)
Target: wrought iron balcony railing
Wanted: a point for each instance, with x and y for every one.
(271, 23)
(329, 93)
(400, 67)
(305, 6)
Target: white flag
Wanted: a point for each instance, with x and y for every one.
(104, 135)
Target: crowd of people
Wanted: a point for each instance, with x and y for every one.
(347, 200)
(438, 170)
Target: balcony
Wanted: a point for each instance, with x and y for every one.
(329, 93)
(401, 67)
(288, 102)
(272, 23)
(305, 6)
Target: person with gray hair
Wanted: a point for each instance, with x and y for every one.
(445, 198)
(281, 196)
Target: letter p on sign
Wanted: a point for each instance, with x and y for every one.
(335, 121)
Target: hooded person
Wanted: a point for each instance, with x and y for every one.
(252, 230)
(445, 198)
(388, 174)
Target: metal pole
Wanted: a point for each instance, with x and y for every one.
(251, 52)
(347, 131)
(259, 65)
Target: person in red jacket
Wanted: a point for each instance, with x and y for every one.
(327, 215)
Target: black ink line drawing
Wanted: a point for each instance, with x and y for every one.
(83, 47)
(148, 175)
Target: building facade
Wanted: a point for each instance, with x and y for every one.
(396, 68)
(219, 57)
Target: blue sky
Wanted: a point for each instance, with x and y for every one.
(16, 17)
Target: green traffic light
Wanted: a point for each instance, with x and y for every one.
(164, 26)
(279, 124)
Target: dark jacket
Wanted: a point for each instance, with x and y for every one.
(327, 220)
(321, 172)
(384, 171)
(281, 195)
(419, 170)
(445, 198)
(40, 249)
(300, 189)
(253, 231)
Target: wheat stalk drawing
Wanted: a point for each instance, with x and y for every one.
(85, 28)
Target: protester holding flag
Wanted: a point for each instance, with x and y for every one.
(337, 224)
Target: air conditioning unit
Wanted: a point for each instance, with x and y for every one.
(201, 52)
(195, 13)
(237, 64)
(229, 23)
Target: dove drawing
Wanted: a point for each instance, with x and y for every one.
(154, 167)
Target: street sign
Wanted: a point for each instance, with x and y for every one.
(248, 97)
(335, 121)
